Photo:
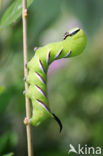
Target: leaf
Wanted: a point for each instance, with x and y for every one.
(2, 89)
(44, 14)
(10, 154)
(8, 140)
(13, 12)
(84, 13)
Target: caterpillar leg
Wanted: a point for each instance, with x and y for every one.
(25, 78)
(26, 121)
(35, 48)
(25, 13)
(24, 92)
(26, 65)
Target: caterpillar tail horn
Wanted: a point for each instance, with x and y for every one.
(58, 121)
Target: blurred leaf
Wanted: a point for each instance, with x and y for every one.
(7, 140)
(10, 94)
(89, 19)
(6, 97)
(12, 13)
(44, 14)
(2, 89)
(10, 154)
(54, 153)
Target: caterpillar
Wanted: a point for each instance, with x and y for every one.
(73, 44)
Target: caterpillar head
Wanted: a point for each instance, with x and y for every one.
(74, 33)
(77, 40)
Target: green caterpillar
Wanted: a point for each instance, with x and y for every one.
(73, 44)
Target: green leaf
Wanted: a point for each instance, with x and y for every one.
(10, 154)
(44, 14)
(2, 89)
(13, 12)
(8, 140)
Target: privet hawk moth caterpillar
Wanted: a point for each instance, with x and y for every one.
(73, 44)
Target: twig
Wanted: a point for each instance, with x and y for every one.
(28, 109)
(0, 4)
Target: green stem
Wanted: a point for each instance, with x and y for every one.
(25, 49)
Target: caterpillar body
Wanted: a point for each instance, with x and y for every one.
(73, 44)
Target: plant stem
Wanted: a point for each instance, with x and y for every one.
(0, 4)
(25, 49)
